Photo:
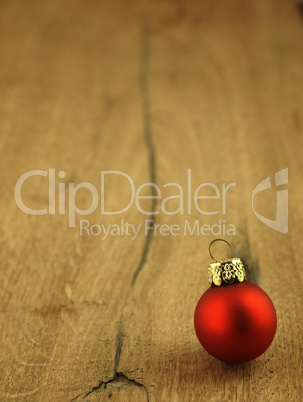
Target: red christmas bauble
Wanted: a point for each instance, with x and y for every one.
(235, 323)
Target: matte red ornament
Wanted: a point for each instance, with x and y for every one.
(235, 320)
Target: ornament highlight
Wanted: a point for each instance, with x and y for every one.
(235, 320)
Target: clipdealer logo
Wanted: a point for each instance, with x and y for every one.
(280, 223)
(188, 199)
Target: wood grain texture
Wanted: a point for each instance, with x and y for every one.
(152, 90)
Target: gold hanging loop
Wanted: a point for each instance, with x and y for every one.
(225, 241)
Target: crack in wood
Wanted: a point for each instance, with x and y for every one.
(119, 378)
(143, 80)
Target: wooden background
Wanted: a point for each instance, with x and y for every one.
(151, 89)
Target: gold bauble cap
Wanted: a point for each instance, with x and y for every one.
(225, 271)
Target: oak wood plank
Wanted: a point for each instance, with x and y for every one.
(160, 92)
